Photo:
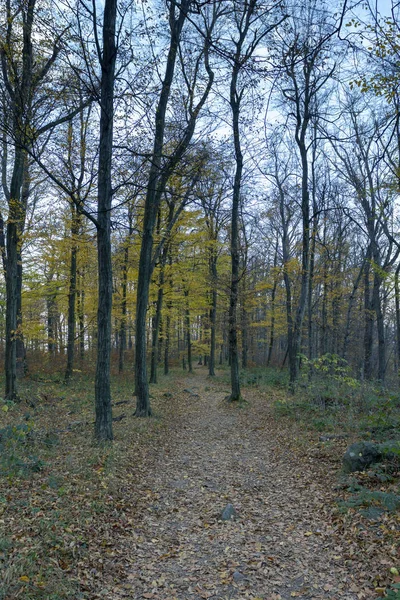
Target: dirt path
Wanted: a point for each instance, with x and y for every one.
(281, 545)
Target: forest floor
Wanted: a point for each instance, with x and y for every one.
(142, 519)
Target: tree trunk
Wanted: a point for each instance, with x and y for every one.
(310, 292)
(324, 309)
(273, 294)
(156, 328)
(397, 304)
(51, 323)
(349, 310)
(337, 294)
(294, 358)
(161, 339)
(13, 242)
(187, 332)
(272, 324)
(369, 324)
(234, 289)
(291, 353)
(122, 328)
(233, 301)
(21, 98)
(81, 314)
(167, 343)
(141, 385)
(103, 423)
(153, 198)
(72, 296)
(59, 334)
(213, 324)
(377, 305)
(11, 315)
(245, 341)
(22, 365)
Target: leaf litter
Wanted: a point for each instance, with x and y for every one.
(143, 519)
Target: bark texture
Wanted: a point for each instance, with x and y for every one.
(103, 423)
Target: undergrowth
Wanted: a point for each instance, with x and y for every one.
(327, 398)
(258, 377)
(58, 489)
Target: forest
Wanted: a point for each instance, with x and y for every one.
(200, 299)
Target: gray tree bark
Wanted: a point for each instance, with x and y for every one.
(75, 222)
(103, 422)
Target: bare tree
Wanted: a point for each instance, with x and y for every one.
(304, 52)
(162, 166)
(251, 24)
(363, 168)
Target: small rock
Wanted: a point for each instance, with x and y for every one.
(167, 395)
(229, 513)
(238, 576)
(361, 455)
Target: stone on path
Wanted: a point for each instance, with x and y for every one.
(229, 513)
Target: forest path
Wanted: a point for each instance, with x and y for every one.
(211, 453)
